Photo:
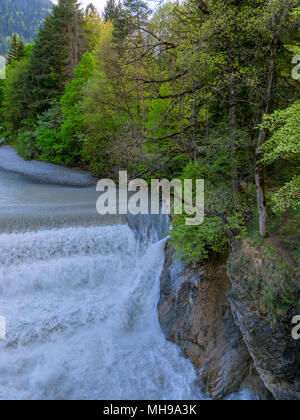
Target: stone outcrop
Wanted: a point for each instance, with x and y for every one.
(195, 313)
(265, 297)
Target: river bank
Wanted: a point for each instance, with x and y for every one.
(43, 172)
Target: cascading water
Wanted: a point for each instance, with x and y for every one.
(81, 311)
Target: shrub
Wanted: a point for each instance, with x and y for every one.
(221, 224)
(26, 145)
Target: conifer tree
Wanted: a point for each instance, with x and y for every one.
(17, 49)
(112, 11)
(131, 17)
(58, 50)
(90, 10)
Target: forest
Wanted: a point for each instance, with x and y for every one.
(23, 17)
(197, 90)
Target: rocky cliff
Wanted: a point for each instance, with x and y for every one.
(265, 297)
(195, 312)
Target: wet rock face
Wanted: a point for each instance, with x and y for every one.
(195, 313)
(268, 339)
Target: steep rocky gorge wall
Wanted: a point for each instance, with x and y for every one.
(232, 319)
(265, 297)
(195, 313)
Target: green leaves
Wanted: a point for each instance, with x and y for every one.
(284, 145)
(287, 197)
(222, 222)
(17, 49)
(57, 51)
(284, 142)
(14, 96)
(177, 93)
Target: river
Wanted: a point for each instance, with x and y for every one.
(79, 293)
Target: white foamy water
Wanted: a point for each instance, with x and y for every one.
(79, 292)
(81, 311)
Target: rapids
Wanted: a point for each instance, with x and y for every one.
(79, 293)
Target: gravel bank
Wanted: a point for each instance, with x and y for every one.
(43, 172)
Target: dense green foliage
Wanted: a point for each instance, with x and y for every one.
(16, 50)
(203, 89)
(23, 17)
(57, 51)
(284, 145)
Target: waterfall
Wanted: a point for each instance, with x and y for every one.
(79, 294)
(81, 309)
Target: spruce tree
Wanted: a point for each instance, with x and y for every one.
(131, 16)
(17, 49)
(90, 10)
(112, 11)
(57, 51)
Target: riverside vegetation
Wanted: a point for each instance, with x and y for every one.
(201, 89)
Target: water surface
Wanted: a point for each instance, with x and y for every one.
(28, 204)
(79, 293)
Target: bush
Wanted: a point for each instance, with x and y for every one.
(222, 221)
(26, 145)
(49, 142)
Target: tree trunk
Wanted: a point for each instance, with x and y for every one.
(259, 173)
(195, 121)
(142, 89)
(143, 107)
(260, 188)
(234, 172)
(265, 108)
(233, 130)
(76, 41)
(261, 202)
